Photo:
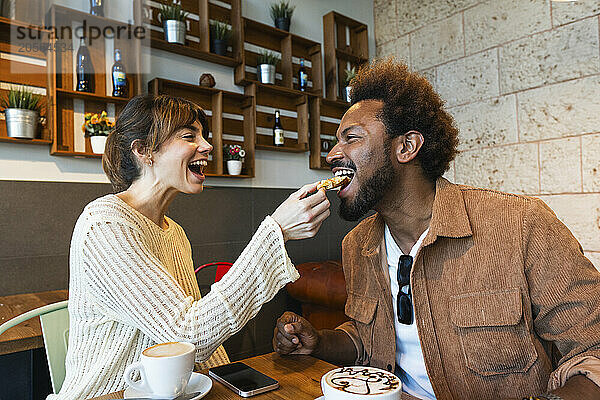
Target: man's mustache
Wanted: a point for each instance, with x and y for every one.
(342, 164)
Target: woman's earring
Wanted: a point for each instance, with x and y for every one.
(150, 162)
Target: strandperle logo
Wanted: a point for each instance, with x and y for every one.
(90, 32)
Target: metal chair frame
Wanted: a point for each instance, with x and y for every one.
(54, 319)
(222, 268)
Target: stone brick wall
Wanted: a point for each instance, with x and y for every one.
(522, 79)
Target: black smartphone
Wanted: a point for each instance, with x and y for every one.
(242, 379)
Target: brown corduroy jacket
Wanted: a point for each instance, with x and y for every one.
(497, 281)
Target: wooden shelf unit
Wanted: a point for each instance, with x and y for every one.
(345, 43)
(286, 100)
(290, 46)
(64, 140)
(231, 121)
(324, 117)
(27, 63)
(310, 51)
(91, 96)
(66, 100)
(198, 30)
(4, 138)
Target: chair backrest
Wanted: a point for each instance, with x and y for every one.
(55, 329)
(222, 268)
(54, 319)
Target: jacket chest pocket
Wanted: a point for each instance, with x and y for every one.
(362, 310)
(493, 334)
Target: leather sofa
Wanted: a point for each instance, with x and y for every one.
(321, 290)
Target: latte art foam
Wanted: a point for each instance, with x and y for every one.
(167, 350)
(363, 381)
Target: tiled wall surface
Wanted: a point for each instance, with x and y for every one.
(37, 220)
(522, 80)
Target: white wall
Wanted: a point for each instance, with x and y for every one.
(273, 169)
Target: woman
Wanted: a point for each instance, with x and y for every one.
(132, 281)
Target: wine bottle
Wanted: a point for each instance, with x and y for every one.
(85, 68)
(97, 8)
(119, 76)
(278, 131)
(302, 76)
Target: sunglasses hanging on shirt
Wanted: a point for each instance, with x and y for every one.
(403, 301)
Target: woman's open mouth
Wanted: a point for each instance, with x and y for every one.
(197, 168)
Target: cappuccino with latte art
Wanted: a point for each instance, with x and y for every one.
(354, 383)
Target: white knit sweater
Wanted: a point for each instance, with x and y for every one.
(132, 285)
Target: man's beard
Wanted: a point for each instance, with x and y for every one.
(370, 192)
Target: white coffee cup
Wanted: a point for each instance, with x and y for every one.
(165, 369)
(358, 382)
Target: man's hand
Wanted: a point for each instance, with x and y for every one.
(294, 335)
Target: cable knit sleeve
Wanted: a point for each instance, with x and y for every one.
(130, 283)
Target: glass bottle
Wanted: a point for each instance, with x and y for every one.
(302, 77)
(97, 8)
(278, 139)
(119, 76)
(85, 68)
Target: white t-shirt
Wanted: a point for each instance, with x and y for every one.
(409, 356)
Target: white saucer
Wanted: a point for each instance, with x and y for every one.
(320, 398)
(197, 383)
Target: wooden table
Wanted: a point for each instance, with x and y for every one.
(27, 335)
(299, 378)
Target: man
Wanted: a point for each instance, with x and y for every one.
(463, 292)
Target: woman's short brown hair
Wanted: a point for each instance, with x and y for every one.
(410, 104)
(153, 120)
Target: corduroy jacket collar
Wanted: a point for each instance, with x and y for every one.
(449, 218)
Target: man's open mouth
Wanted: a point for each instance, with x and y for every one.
(345, 172)
(197, 167)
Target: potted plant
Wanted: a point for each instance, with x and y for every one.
(97, 127)
(173, 20)
(282, 14)
(22, 111)
(234, 155)
(220, 33)
(267, 61)
(350, 74)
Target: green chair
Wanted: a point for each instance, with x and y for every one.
(55, 330)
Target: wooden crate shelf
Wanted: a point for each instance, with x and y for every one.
(91, 96)
(288, 101)
(78, 15)
(67, 103)
(198, 31)
(60, 16)
(351, 58)
(225, 175)
(79, 154)
(64, 140)
(310, 51)
(4, 138)
(7, 23)
(324, 117)
(27, 63)
(345, 43)
(188, 51)
(231, 121)
(291, 48)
